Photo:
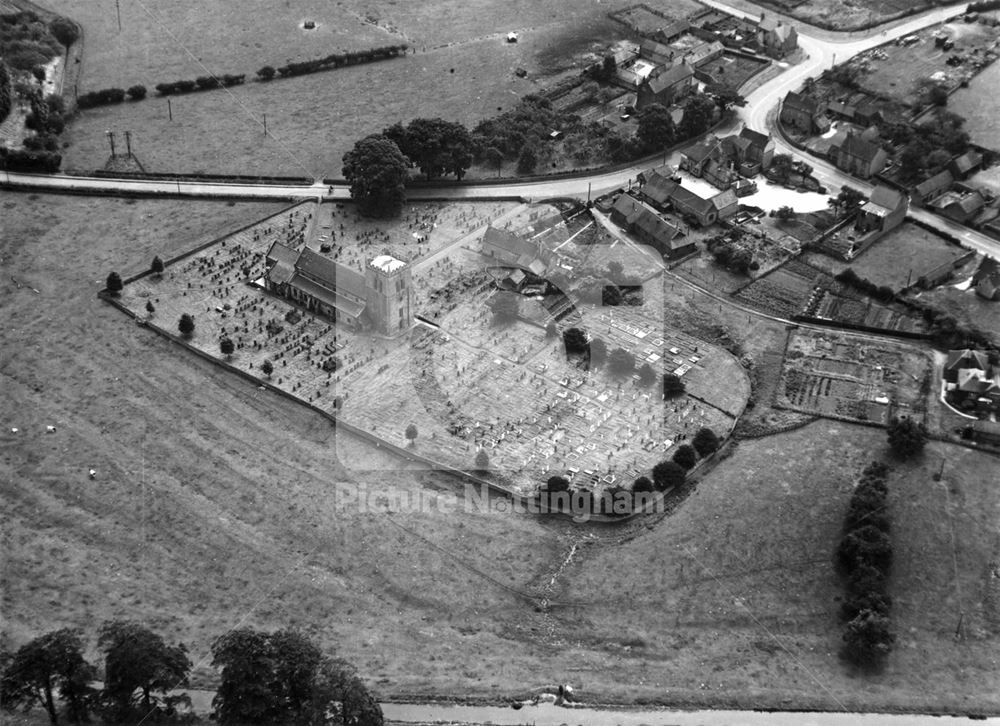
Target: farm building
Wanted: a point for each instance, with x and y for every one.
(960, 204)
(380, 299)
(511, 250)
(643, 221)
(666, 88)
(930, 189)
(964, 166)
(884, 211)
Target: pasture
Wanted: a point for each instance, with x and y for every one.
(922, 250)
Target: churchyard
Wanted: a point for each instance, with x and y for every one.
(838, 375)
(467, 383)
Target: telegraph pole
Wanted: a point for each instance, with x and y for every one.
(118, 10)
(265, 124)
(111, 140)
(170, 110)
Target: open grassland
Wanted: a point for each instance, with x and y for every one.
(735, 595)
(901, 257)
(215, 502)
(462, 70)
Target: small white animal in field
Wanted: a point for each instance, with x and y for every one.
(93, 473)
(13, 430)
(50, 429)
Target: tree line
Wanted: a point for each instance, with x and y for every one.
(377, 168)
(864, 558)
(279, 677)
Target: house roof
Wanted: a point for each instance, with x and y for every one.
(724, 200)
(700, 151)
(755, 138)
(513, 250)
(967, 162)
(331, 274)
(690, 200)
(856, 146)
(989, 269)
(843, 109)
(887, 198)
(674, 29)
(800, 102)
(671, 77)
(968, 203)
(282, 253)
(658, 187)
(967, 358)
(767, 23)
(651, 47)
(940, 181)
(658, 228)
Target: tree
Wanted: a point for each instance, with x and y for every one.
(482, 460)
(494, 156)
(672, 385)
(186, 325)
(937, 95)
(376, 170)
(50, 664)
(868, 639)
(157, 266)
(506, 306)
(705, 441)
(137, 92)
(656, 128)
(726, 97)
(621, 362)
(358, 706)
(642, 484)
(295, 659)
(137, 659)
(785, 213)
(699, 110)
(907, 437)
(227, 347)
(598, 352)
(266, 73)
(611, 295)
(267, 368)
(781, 165)
(685, 456)
(668, 474)
(65, 31)
(866, 545)
(150, 308)
(434, 145)
(527, 160)
(850, 198)
(246, 688)
(114, 284)
(411, 433)
(575, 341)
(557, 484)
(646, 374)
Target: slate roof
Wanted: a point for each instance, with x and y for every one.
(939, 182)
(755, 138)
(967, 358)
(513, 250)
(659, 188)
(671, 77)
(689, 200)
(331, 274)
(800, 102)
(857, 147)
(884, 200)
(967, 162)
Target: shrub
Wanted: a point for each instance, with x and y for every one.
(137, 92)
(29, 160)
(907, 437)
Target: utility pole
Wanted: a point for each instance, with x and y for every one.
(265, 124)
(118, 10)
(170, 110)
(111, 140)
(128, 142)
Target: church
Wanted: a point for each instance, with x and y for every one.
(379, 300)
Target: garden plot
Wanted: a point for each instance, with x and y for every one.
(904, 255)
(785, 291)
(838, 376)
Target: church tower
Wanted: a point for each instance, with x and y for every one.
(390, 295)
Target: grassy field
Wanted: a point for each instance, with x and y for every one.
(712, 607)
(921, 249)
(216, 503)
(462, 70)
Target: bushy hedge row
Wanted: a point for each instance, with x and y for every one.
(104, 97)
(6, 92)
(983, 6)
(864, 558)
(29, 160)
(202, 83)
(336, 60)
(882, 293)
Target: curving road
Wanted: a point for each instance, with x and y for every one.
(821, 48)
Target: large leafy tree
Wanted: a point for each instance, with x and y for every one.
(668, 474)
(376, 170)
(246, 693)
(295, 660)
(656, 128)
(436, 146)
(907, 437)
(50, 665)
(699, 111)
(137, 665)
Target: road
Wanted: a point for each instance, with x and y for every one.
(822, 49)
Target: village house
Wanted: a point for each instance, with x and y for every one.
(380, 299)
(776, 38)
(667, 87)
(758, 154)
(668, 238)
(971, 382)
(986, 281)
(859, 157)
(960, 204)
(930, 189)
(884, 211)
(799, 111)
